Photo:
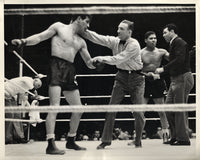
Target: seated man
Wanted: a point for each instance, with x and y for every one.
(13, 88)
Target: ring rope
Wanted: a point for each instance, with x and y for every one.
(95, 75)
(106, 108)
(101, 10)
(84, 120)
(102, 75)
(107, 96)
(22, 120)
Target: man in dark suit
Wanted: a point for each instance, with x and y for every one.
(181, 83)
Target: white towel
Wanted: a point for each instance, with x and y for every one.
(35, 115)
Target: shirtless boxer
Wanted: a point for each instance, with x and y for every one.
(154, 89)
(65, 44)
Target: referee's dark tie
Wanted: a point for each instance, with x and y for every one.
(122, 42)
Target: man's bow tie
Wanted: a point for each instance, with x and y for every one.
(122, 42)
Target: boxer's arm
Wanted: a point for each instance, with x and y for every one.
(166, 55)
(37, 38)
(86, 56)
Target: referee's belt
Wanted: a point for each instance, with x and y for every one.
(129, 72)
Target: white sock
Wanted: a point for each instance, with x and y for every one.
(71, 135)
(50, 136)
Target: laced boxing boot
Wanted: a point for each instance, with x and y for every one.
(52, 149)
(103, 145)
(72, 145)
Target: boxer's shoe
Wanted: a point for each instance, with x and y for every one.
(103, 145)
(52, 149)
(72, 145)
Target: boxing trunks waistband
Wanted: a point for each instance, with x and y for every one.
(61, 59)
(132, 71)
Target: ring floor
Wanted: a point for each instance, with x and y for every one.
(152, 149)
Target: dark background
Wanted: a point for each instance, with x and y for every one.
(17, 26)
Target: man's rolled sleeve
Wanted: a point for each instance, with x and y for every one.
(130, 51)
